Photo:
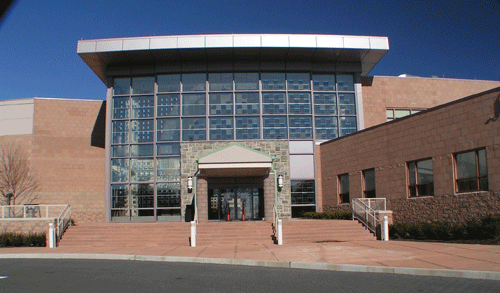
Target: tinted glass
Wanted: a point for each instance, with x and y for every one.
(323, 82)
(220, 81)
(193, 104)
(246, 81)
(121, 107)
(221, 104)
(483, 167)
(369, 179)
(466, 165)
(121, 86)
(247, 103)
(425, 172)
(168, 129)
(168, 169)
(143, 85)
(194, 82)
(273, 81)
(298, 81)
(169, 83)
(167, 149)
(345, 82)
(168, 105)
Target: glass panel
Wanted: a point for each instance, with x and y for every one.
(345, 82)
(168, 169)
(247, 103)
(221, 104)
(168, 129)
(298, 81)
(323, 82)
(247, 127)
(347, 125)
(221, 128)
(168, 105)
(141, 131)
(119, 196)
(119, 151)
(467, 185)
(273, 103)
(275, 127)
(120, 107)
(121, 86)
(168, 195)
(325, 104)
(412, 173)
(344, 184)
(347, 104)
(369, 179)
(466, 165)
(120, 131)
(168, 149)
(299, 103)
(426, 189)
(143, 107)
(483, 183)
(303, 191)
(141, 150)
(300, 127)
(142, 196)
(483, 167)
(193, 104)
(169, 83)
(220, 81)
(194, 129)
(326, 127)
(194, 82)
(119, 170)
(389, 113)
(168, 214)
(425, 172)
(273, 81)
(398, 113)
(141, 170)
(246, 81)
(143, 85)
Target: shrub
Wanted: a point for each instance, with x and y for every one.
(17, 240)
(337, 215)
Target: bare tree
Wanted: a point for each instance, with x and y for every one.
(18, 183)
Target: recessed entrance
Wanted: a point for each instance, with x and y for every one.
(235, 202)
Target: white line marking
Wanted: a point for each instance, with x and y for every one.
(3, 277)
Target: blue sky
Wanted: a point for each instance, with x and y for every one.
(452, 39)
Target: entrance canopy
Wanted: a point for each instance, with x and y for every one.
(235, 161)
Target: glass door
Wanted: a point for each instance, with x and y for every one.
(239, 203)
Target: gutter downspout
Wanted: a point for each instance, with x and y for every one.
(275, 186)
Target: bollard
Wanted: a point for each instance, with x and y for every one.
(52, 236)
(279, 231)
(385, 229)
(193, 234)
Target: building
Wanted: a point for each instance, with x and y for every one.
(217, 127)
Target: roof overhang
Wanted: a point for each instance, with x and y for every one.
(100, 54)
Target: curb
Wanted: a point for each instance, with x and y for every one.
(483, 275)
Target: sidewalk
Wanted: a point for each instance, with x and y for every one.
(400, 257)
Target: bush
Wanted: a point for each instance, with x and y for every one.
(484, 229)
(337, 215)
(17, 240)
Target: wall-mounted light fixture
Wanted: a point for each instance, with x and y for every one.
(280, 181)
(190, 184)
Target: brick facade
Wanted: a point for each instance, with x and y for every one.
(26, 226)
(438, 134)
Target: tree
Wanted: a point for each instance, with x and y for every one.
(18, 183)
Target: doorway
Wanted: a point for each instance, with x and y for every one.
(235, 203)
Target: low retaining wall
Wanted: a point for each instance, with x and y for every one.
(456, 208)
(25, 226)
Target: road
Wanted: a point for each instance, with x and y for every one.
(45, 275)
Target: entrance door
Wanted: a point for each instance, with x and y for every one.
(235, 203)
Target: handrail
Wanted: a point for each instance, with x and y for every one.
(275, 218)
(63, 221)
(363, 211)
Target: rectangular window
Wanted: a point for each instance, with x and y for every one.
(221, 103)
(273, 81)
(323, 82)
(143, 107)
(193, 104)
(369, 178)
(343, 188)
(194, 129)
(143, 85)
(246, 81)
(168, 129)
(169, 83)
(471, 171)
(168, 105)
(247, 127)
(194, 82)
(421, 180)
(273, 103)
(300, 127)
(326, 127)
(299, 103)
(221, 128)
(220, 81)
(275, 127)
(141, 131)
(121, 107)
(303, 192)
(298, 81)
(247, 103)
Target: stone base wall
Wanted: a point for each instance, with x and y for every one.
(456, 208)
(25, 226)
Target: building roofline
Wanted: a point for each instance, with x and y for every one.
(433, 78)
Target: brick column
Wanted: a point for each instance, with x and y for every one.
(202, 199)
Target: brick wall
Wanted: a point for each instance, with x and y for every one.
(25, 226)
(438, 134)
(381, 92)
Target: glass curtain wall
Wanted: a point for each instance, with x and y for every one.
(151, 115)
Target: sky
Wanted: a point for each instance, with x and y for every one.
(38, 39)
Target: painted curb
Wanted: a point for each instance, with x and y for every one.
(484, 275)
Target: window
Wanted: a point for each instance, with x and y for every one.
(392, 114)
(369, 178)
(471, 171)
(421, 181)
(344, 188)
(303, 197)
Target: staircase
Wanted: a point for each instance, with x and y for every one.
(317, 231)
(127, 235)
(233, 233)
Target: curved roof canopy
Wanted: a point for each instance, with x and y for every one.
(100, 54)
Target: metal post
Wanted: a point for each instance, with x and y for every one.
(52, 236)
(385, 229)
(193, 233)
(279, 231)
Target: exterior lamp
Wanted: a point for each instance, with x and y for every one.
(280, 181)
(190, 184)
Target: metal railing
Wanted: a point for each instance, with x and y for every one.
(365, 210)
(61, 213)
